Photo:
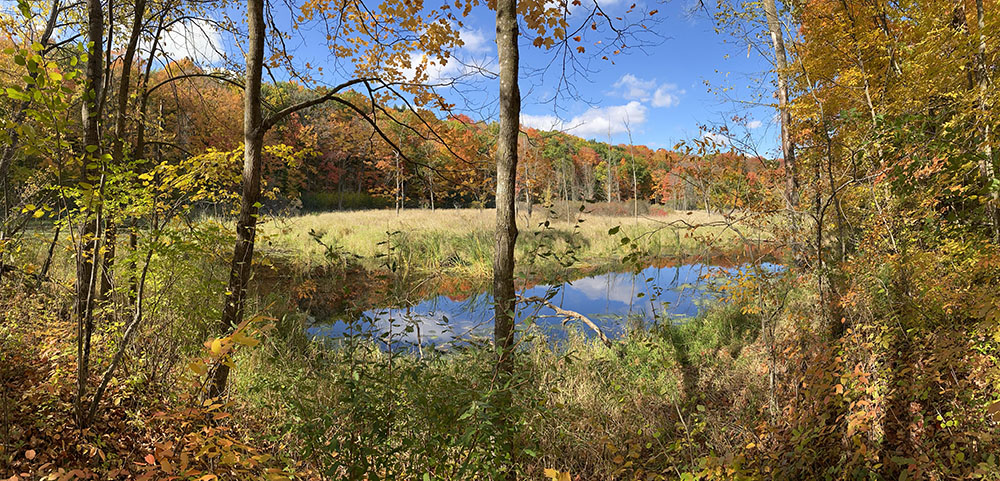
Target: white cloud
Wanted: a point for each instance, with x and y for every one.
(476, 58)
(474, 41)
(665, 96)
(195, 39)
(615, 287)
(542, 122)
(436, 73)
(720, 140)
(754, 124)
(455, 69)
(634, 88)
(631, 87)
(595, 122)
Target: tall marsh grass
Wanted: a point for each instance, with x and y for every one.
(462, 239)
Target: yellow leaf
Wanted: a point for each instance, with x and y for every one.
(244, 340)
(217, 346)
(198, 368)
(551, 473)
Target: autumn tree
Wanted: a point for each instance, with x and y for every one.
(371, 41)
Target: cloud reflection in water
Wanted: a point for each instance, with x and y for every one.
(672, 293)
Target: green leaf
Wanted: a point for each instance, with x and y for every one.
(16, 94)
(614, 230)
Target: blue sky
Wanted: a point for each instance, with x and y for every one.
(691, 77)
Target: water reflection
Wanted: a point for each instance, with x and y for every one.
(614, 301)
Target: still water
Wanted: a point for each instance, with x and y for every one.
(616, 302)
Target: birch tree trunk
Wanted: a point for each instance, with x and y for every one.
(987, 164)
(781, 65)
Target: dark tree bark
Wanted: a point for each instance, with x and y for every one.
(87, 241)
(118, 147)
(246, 226)
(506, 225)
(506, 228)
(254, 128)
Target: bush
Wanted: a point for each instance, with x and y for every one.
(326, 201)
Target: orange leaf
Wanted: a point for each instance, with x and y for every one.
(150, 459)
(30, 454)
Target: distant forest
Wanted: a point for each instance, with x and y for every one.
(331, 158)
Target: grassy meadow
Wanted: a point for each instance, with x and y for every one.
(461, 240)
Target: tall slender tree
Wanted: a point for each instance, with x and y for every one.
(781, 68)
(87, 241)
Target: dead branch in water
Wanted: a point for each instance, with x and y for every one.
(568, 314)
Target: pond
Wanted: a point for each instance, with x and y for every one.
(616, 302)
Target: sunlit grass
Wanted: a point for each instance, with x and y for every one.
(462, 239)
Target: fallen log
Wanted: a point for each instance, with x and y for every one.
(568, 314)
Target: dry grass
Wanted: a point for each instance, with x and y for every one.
(465, 236)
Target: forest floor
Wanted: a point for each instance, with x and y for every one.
(143, 429)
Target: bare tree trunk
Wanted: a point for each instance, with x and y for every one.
(398, 191)
(781, 65)
(610, 177)
(635, 181)
(988, 164)
(340, 188)
(118, 148)
(527, 200)
(506, 226)
(44, 272)
(139, 152)
(430, 188)
(246, 227)
(126, 340)
(87, 242)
